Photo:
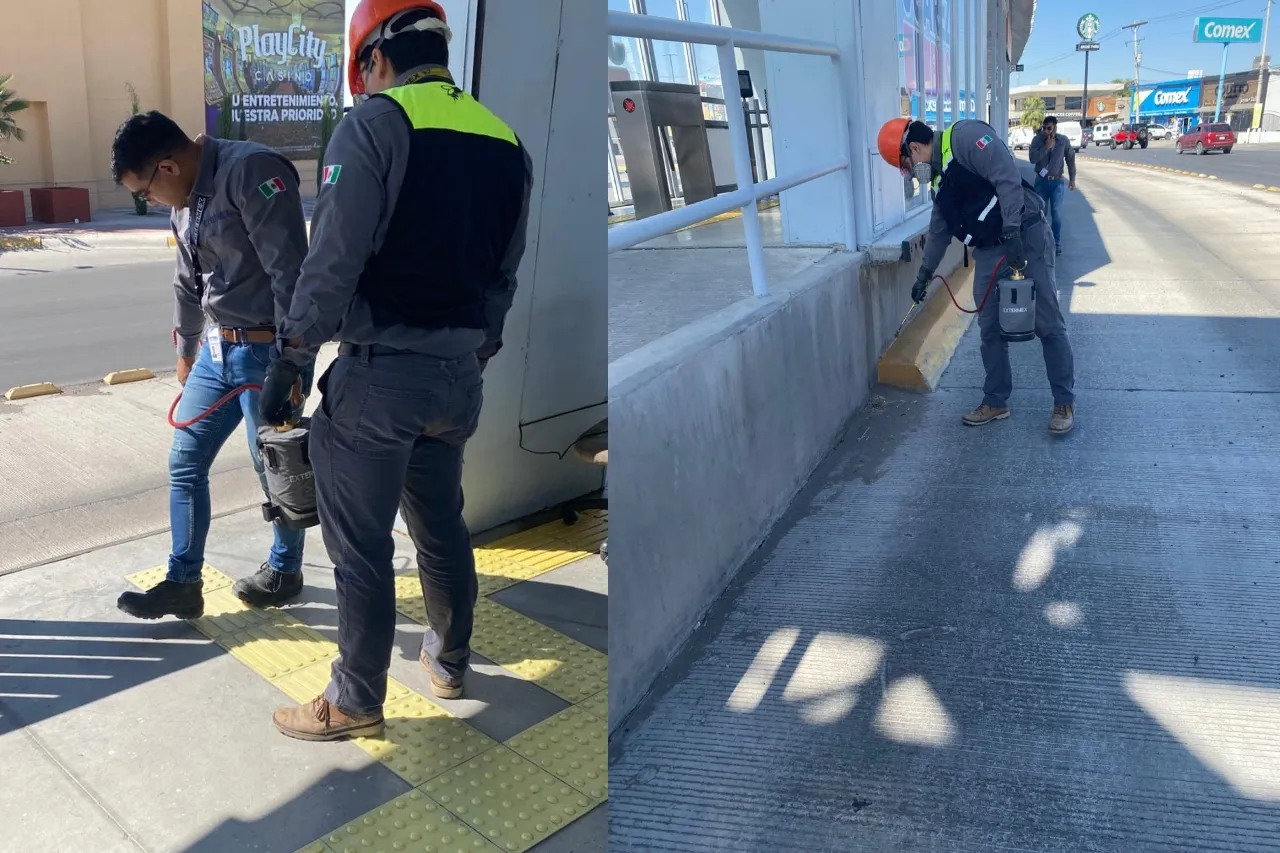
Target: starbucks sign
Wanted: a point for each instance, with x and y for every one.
(1087, 26)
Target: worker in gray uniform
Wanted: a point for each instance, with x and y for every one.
(418, 230)
(982, 201)
(241, 235)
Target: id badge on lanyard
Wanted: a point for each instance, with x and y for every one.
(213, 334)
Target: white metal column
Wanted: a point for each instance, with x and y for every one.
(968, 57)
(956, 47)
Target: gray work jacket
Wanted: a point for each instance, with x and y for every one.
(252, 240)
(366, 162)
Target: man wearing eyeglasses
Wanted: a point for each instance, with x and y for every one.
(241, 235)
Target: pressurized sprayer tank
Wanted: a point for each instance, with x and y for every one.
(1017, 307)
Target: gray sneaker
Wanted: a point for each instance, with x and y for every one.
(985, 414)
(1062, 419)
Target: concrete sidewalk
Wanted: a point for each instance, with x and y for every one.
(89, 467)
(994, 639)
(118, 735)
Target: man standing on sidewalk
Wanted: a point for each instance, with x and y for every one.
(418, 231)
(241, 234)
(1049, 153)
(982, 201)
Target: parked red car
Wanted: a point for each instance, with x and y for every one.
(1207, 137)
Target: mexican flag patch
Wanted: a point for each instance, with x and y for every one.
(984, 141)
(271, 187)
(331, 174)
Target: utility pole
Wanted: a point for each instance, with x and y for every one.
(1137, 63)
(1262, 69)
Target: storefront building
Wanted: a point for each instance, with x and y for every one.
(1175, 103)
(1186, 103)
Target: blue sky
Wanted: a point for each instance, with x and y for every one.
(1166, 46)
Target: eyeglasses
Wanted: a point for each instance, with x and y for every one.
(146, 191)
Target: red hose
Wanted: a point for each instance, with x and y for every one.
(222, 401)
(990, 284)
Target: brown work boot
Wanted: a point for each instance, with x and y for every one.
(320, 720)
(1062, 420)
(443, 685)
(985, 414)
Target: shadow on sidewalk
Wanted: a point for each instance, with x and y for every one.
(50, 667)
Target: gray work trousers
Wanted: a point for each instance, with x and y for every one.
(1059, 362)
(390, 434)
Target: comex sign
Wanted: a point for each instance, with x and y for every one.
(1228, 30)
(1171, 100)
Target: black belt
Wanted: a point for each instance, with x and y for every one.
(362, 350)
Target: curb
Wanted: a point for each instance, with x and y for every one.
(1153, 168)
(26, 392)
(916, 359)
(120, 377)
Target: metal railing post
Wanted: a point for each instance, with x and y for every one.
(742, 173)
(846, 146)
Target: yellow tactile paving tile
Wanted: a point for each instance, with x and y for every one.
(422, 740)
(147, 578)
(573, 746)
(411, 823)
(532, 552)
(314, 847)
(409, 598)
(535, 652)
(305, 684)
(271, 647)
(597, 705)
(511, 801)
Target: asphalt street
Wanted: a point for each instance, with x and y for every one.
(1246, 164)
(72, 325)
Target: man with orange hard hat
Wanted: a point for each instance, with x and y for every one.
(981, 200)
(418, 230)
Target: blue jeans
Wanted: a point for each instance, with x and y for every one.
(1054, 194)
(195, 448)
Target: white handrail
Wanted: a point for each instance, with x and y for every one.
(673, 29)
(726, 39)
(643, 230)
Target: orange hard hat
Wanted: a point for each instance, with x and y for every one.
(892, 138)
(370, 19)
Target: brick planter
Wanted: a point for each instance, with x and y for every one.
(59, 204)
(13, 210)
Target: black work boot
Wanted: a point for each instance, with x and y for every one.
(167, 598)
(268, 587)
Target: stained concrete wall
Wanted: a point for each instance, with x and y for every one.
(73, 59)
(715, 428)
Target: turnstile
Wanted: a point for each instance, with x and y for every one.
(643, 110)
